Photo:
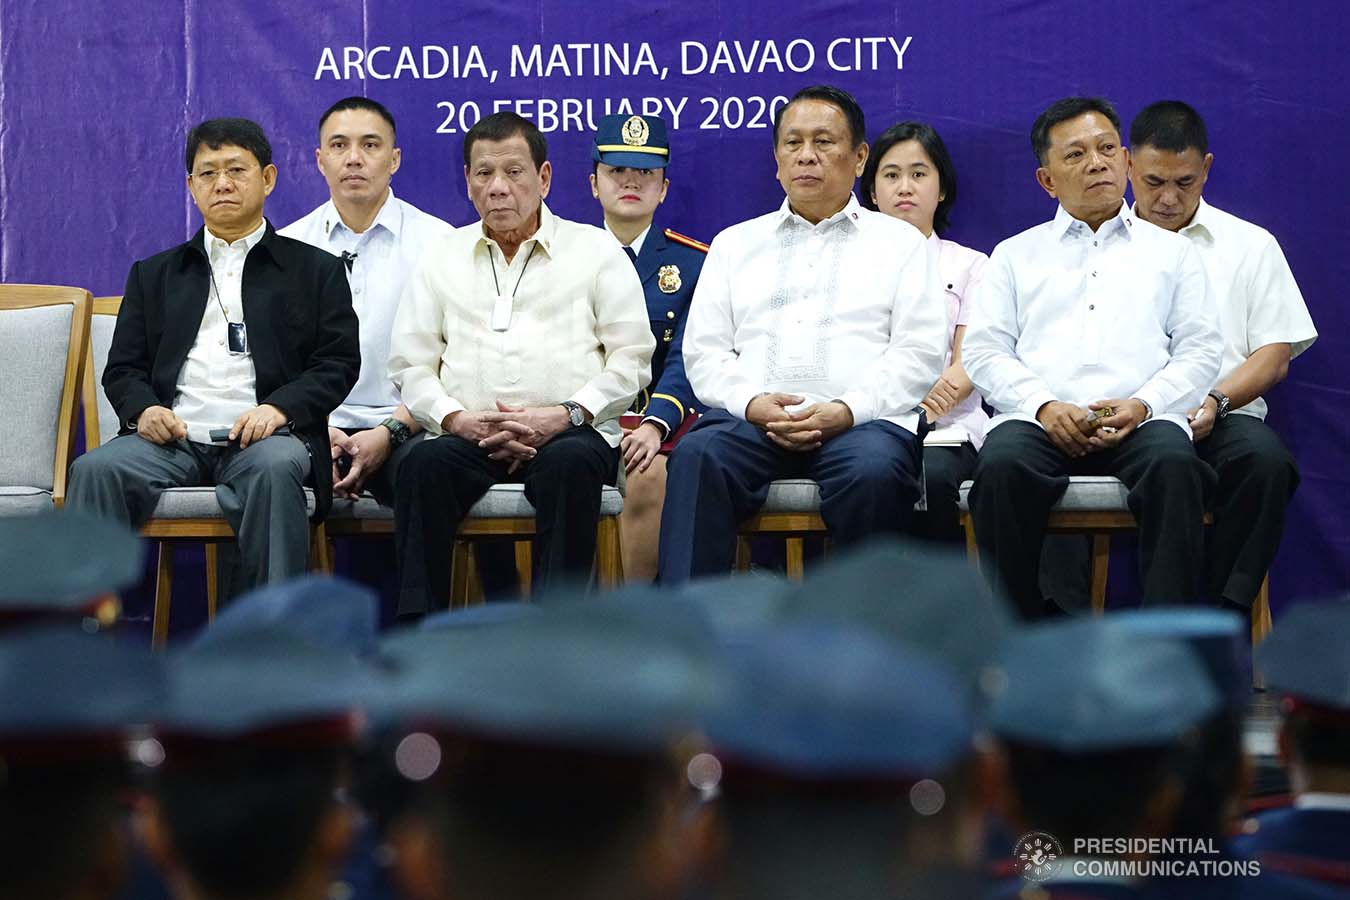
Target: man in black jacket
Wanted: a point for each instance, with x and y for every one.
(230, 351)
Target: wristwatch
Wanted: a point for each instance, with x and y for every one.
(1223, 402)
(398, 432)
(575, 414)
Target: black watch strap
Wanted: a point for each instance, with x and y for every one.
(1223, 404)
(398, 431)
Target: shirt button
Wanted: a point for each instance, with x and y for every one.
(1092, 306)
(1094, 274)
(670, 314)
(221, 343)
(356, 291)
(1094, 243)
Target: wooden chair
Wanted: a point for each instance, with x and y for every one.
(1097, 505)
(182, 514)
(791, 511)
(502, 514)
(43, 331)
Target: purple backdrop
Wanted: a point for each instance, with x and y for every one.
(96, 100)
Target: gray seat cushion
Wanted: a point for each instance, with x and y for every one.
(802, 495)
(23, 501)
(1085, 492)
(502, 501)
(33, 346)
(200, 503)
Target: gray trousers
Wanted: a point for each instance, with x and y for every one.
(260, 490)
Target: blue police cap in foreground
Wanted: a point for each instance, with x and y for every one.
(1217, 637)
(330, 612)
(926, 597)
(821, 701)
(634, 142)
(1308, 655)
(262, 680)
(63, 685)
(58, 561)
(483, 614)
(1089, 685)
(600, 672)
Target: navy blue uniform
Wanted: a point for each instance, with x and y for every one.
(1312, 844)
(669, 271)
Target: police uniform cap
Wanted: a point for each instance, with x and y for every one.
(1218, 638)
(826, 702)
(634, 142)
(926, 597)
(56, 562)
(265, 679)
(624, 672)
(63, 685)
(1089, 685)
(1308, 655)
(330, 612)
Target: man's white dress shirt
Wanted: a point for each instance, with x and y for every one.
(386, 254)
(215, 386)
(1259, 302)
(1066, 313)
(576, 327)
(847, 309)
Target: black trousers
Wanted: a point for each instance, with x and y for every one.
(944, 468)
(444, 477)
(1021, 474)
(1257, 478)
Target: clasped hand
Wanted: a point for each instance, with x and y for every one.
(513, 433)
(801, 431)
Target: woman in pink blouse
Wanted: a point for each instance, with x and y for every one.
(909, 175)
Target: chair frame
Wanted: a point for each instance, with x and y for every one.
(33, 296)
(211, 532)
(465, 587)
(1101, 524)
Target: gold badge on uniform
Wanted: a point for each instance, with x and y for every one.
(668, 279)
(635, 132)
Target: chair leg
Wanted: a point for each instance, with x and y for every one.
(609, 552)
(459, 575)
(1101, 561)
(159, 628)
(473, 574)
(1261, 621)
(321, 550)
(742, 553)
(212, 581)
(972, 548)
(796, 555)
(525, 565)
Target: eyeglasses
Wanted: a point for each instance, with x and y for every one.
(233, 174)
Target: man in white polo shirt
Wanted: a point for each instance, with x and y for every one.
(519, 342)
(1265, 324)
(380, 238)
(1092, 336)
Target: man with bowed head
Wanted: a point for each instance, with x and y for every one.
(815, 332)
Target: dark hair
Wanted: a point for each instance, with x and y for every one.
(1050, 787)
(365, 103)
(1320, 741)
(216, 133)
(1169, 125)
(502, 126)
(837, 96)
(244, 819)
(1063, 111)
(932, 144)
(54, 818)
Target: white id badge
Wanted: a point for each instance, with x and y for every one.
(501, 314)
(797, 345)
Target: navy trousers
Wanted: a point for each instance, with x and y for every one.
(719, 475)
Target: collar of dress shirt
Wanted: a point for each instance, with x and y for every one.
(637, 241)
(543, 235)
(211, 242)
(848, 214)
(1201, 224)
(1122, 221)
(390, 217)
(1321, 800)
